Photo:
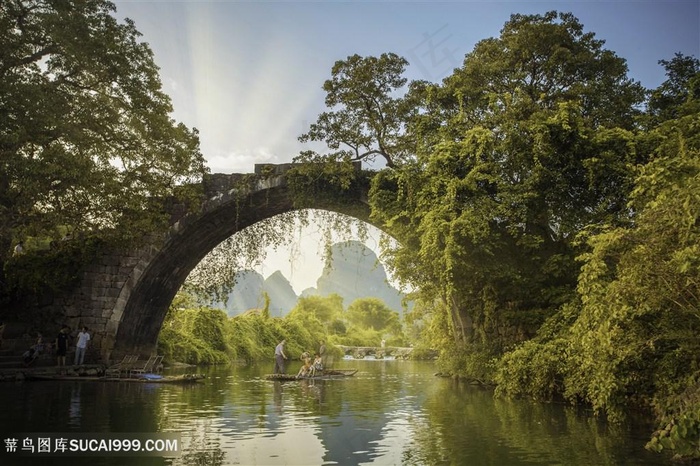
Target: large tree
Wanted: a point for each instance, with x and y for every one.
(373, 313)
(87, 145)
(366, 118)
(521, 148)
(632, 336)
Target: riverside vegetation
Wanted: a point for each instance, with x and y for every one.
(545, 204)
(198, 334)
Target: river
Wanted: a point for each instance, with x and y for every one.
(389, 413)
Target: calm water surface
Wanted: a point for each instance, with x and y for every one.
(390, 412)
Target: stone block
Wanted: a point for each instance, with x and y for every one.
(71, 312)
(110, 260)
(112, 293)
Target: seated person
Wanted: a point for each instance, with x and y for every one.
(29, 356)
(33, 352)
(39, 345)
(306, 367)
(317, 365)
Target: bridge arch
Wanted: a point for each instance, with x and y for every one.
(135, 320)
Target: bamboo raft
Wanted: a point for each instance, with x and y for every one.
(176, 379)
(322, 375)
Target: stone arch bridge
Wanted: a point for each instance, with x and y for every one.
(124, 295)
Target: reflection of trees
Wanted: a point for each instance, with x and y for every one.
(379, 392)
(201, 445)
(498, 431)
(355, 419)
(428, 446)
(201, 458)
(177, 400)
(361, 407)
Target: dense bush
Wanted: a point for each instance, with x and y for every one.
(201, 335)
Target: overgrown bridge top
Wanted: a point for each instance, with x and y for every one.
(265, 175)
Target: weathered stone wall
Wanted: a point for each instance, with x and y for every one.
(104, 287)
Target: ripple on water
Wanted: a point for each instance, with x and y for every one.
(391, 412)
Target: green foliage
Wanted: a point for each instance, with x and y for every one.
(87, 143)
(337, 327)
(321, 309)
(538, 200)
(633, 339)
(671, 99)
(185, 348)
(200, 335)
(523, 146)
(189, 334)
(366, 322)
(532, 370)
(208, 326)
(366, 121)
(56, 267)
(680, 421)
(358, 336)
(253, 336)
(327, 182)
(373, 313)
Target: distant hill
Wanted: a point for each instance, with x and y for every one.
(247, 294)
(354, 272)
(282, 295)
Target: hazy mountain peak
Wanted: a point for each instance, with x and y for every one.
(354, 272)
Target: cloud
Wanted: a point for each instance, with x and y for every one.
(241, 161)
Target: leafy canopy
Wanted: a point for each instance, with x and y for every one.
(365, 120)
(522, 147)
(86, 141)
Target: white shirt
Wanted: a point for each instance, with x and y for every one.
(83, 338)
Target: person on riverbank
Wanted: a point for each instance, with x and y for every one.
(81, 346)
(280, 357)
(34, 351)
(61, 346)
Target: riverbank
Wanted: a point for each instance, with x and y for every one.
(20, 374)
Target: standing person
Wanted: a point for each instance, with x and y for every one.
(280, 357)
(19, 249)
(62, 346)
(81, 346)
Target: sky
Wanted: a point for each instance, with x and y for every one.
(249, 75)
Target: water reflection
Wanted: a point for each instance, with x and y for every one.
(74, 410)
(391, 412)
